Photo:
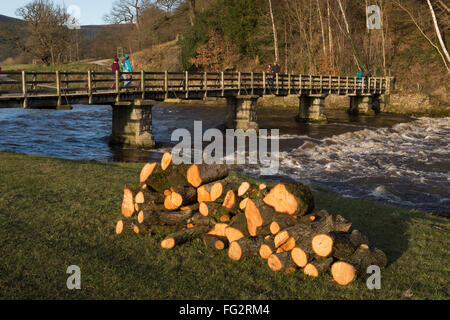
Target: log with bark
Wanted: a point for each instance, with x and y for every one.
(318, 266)
(126, 227)
(215, 242)
(290, 198)
(183, 236)
(281, 262)
(237, 229)
(259, 217)
(344, 272)
(245, 247)
(201, 174)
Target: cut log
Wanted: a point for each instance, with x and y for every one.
(300, 232)
(245, 247)
(237, 229)
(230, 200)
(173, 177)
(126, 227)
(219, 229)
(215, 242)
(281, 262)
(164, 218)
(147, 171)
(251, 190)
(243, 188)
(243, 204)
(203, 195)
(322, 244)
(183, 236)
(182, 196)
(200, 174)
(337, 244)
(290, 198)
(200, 220)
(267, 248)
(318, 266)
(212, 209)
(166, 160)
(329, 223)
(281, 221)
(344, 272)
(259, 217)
(128, 205)
(288, 245)
(357, 239)
(148, 196)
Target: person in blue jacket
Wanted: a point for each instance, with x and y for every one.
(359, 78)
(126, 67)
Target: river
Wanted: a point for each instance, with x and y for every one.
(388, 158)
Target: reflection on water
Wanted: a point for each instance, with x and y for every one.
(389, 158)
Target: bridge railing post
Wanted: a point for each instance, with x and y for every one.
(278, 82)
(239, 83)
(264, 82)
(205, 83)
(186, 83)
(300, 85)
(24, 89)
(222, 84)
(117, 86)
(252, 83)
(289, 83)
(89, 75)
(58, 87)
(166, 84)
(143, 84)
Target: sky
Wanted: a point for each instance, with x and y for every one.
(91, 11)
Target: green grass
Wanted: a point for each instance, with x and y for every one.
(56, 213)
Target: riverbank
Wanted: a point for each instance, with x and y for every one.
(55, 213)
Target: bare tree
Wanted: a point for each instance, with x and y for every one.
(168, 5)
(438, 32)
(48, 35)
(422, 32)
(192, 12)
(275, 36)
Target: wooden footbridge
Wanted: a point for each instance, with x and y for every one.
(131, 118)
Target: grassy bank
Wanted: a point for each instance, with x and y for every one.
(56, 213)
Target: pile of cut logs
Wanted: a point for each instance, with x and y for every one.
(278, 224)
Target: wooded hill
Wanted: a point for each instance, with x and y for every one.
(276, 223)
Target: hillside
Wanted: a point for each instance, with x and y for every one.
(12, 30)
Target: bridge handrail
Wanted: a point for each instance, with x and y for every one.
(90, 82)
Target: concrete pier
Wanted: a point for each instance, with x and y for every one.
(241, 112)
(365, 105)
(312, 108)
(132, 124)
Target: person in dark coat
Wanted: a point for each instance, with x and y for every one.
(276, 68)
(115, 67)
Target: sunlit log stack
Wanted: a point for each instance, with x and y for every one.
(277, 224)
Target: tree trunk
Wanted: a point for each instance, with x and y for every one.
(200, 174)
(290, 198)
(275, 37)
(438, 32)
(259, 217)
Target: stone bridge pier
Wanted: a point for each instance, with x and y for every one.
(132, 124)
(364, 104)
(312, 108)
(241, 112)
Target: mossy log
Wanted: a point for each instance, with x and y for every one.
(329, 223)
(183, 236)
(170, 179)
(147, 171)
(213, 209)
(211, 191)
(215, 242)
(219, 229)
(281, 262)
(251, 190)
(149, 196)
(267, 247)
(164, 218)
(245, 247)
(299, 232)
(259, 217)
(200, 220)
(200, 174)
(282, 221)
(336, 244)
(237, 228)
(318, 266)
(126, 227)
(344, 272)
(291, 198)
(357, 238)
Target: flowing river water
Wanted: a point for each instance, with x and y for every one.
(388, 158)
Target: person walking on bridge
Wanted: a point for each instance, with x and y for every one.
(359, 78)
(126, 67)
(115, 67)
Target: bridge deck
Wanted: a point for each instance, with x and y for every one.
(41, 89)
